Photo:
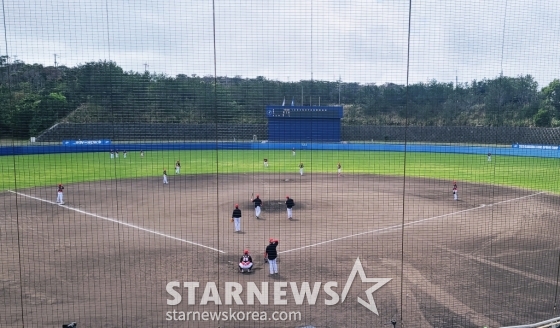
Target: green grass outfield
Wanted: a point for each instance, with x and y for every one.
(24, 171)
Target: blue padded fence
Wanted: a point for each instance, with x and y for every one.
(514, 150)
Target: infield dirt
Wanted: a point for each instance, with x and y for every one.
(105, 257)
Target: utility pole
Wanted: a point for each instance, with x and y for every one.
(146, 67)
(55, 63)
(456, 89)
(339, 80)
(456, 79)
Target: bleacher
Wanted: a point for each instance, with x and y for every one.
(350, 133)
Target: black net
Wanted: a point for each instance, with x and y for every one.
(404, 155)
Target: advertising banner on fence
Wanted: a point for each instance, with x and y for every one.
(548, 147)
(85, 142)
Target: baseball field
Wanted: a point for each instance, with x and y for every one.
(106, 257)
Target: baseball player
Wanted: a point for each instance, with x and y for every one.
(112, 154)
(300, 168)
(489, 157)
(60, 195)
(293, 152)
(245, 262)
(289, 204)
(117, 153)
(270, 255)
(236, 218)
(141, 153)
(177, 167)
(339, 169)
(265, 162)
(455, 191)
(258, 202)
(165, 176)
(124, 154)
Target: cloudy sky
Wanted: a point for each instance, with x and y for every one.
(362, 41)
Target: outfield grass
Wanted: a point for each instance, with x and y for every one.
(26, 171)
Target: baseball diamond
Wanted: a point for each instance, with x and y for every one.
(464, 264)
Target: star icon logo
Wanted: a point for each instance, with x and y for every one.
(379, 282)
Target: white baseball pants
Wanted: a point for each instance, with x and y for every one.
(273, 266)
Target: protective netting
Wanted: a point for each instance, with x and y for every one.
(136, 144)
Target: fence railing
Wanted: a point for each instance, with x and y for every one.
(552, 323)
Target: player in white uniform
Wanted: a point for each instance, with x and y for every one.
(165, 176)
(177, 167)
(300, 168)
(339, 169)
(265, 162)
(455, 191)
(60, 195)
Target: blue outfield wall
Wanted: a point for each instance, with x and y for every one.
(514, 150)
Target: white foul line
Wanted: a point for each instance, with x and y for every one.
(118, 222)
(399, 226)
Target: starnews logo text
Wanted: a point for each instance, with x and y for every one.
(232, 315)
(235, 293)
(252, 293)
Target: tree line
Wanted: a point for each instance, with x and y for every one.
(34, 97)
